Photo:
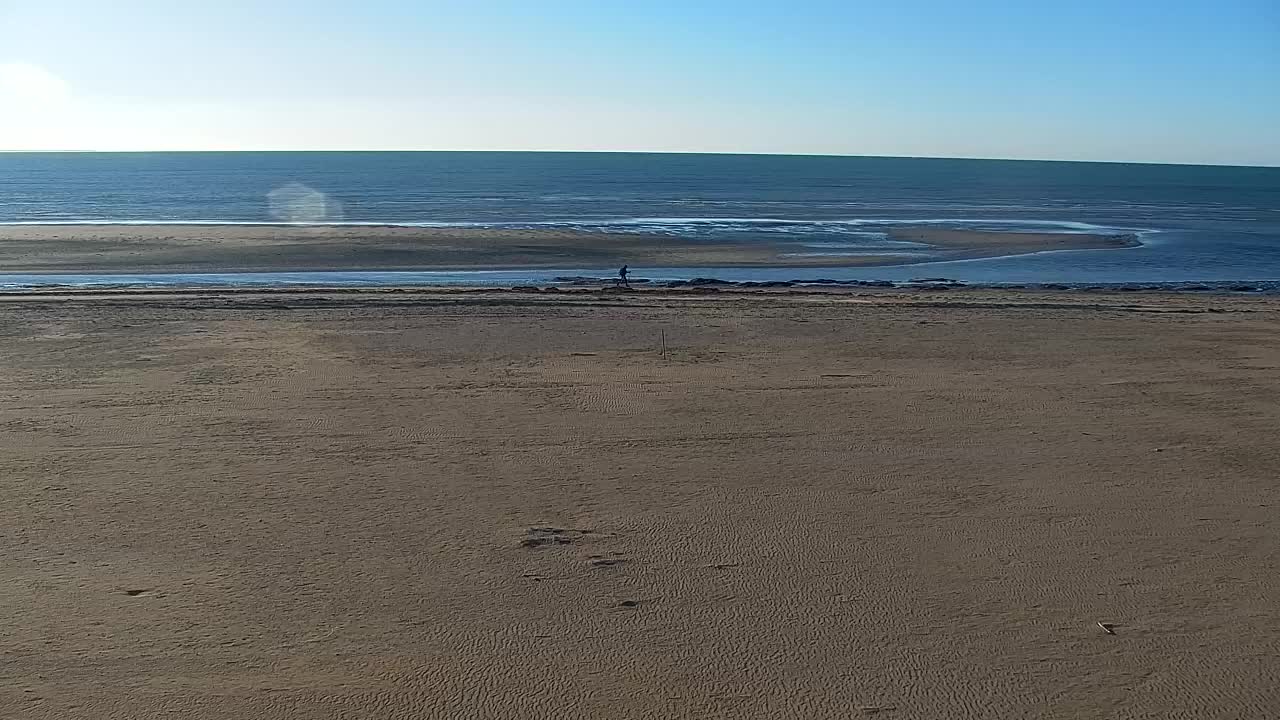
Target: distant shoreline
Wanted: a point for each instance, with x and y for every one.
(193, 248)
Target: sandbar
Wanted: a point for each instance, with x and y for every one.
(267, 248)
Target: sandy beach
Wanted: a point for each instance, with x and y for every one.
(248, 248)
(438, 504)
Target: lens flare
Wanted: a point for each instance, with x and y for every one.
(297, 203)
(23, 82)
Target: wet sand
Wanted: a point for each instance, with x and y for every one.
(1011, 243)
(261, 248)
(511, 505)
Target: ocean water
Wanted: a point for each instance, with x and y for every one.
(1197, 223)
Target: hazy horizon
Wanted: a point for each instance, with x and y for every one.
(1091, 82)
(628, 152)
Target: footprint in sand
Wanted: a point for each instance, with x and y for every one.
(545, 536)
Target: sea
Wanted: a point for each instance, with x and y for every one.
(1197, 225)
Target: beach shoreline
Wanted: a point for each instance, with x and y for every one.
(749, 503)
(63, 249)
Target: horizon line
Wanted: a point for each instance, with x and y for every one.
(638, 152)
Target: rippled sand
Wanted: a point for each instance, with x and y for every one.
(498, 505)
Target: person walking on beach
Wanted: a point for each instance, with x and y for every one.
(623, 272)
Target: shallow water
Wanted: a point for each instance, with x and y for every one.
(1197, 223)
(547, 278)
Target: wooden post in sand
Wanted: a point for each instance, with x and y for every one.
(664, 342)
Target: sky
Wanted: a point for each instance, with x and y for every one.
(1122, 80)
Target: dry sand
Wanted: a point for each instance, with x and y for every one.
(186, 248)
(496, 505)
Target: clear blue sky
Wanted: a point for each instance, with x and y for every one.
(1149, 80)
